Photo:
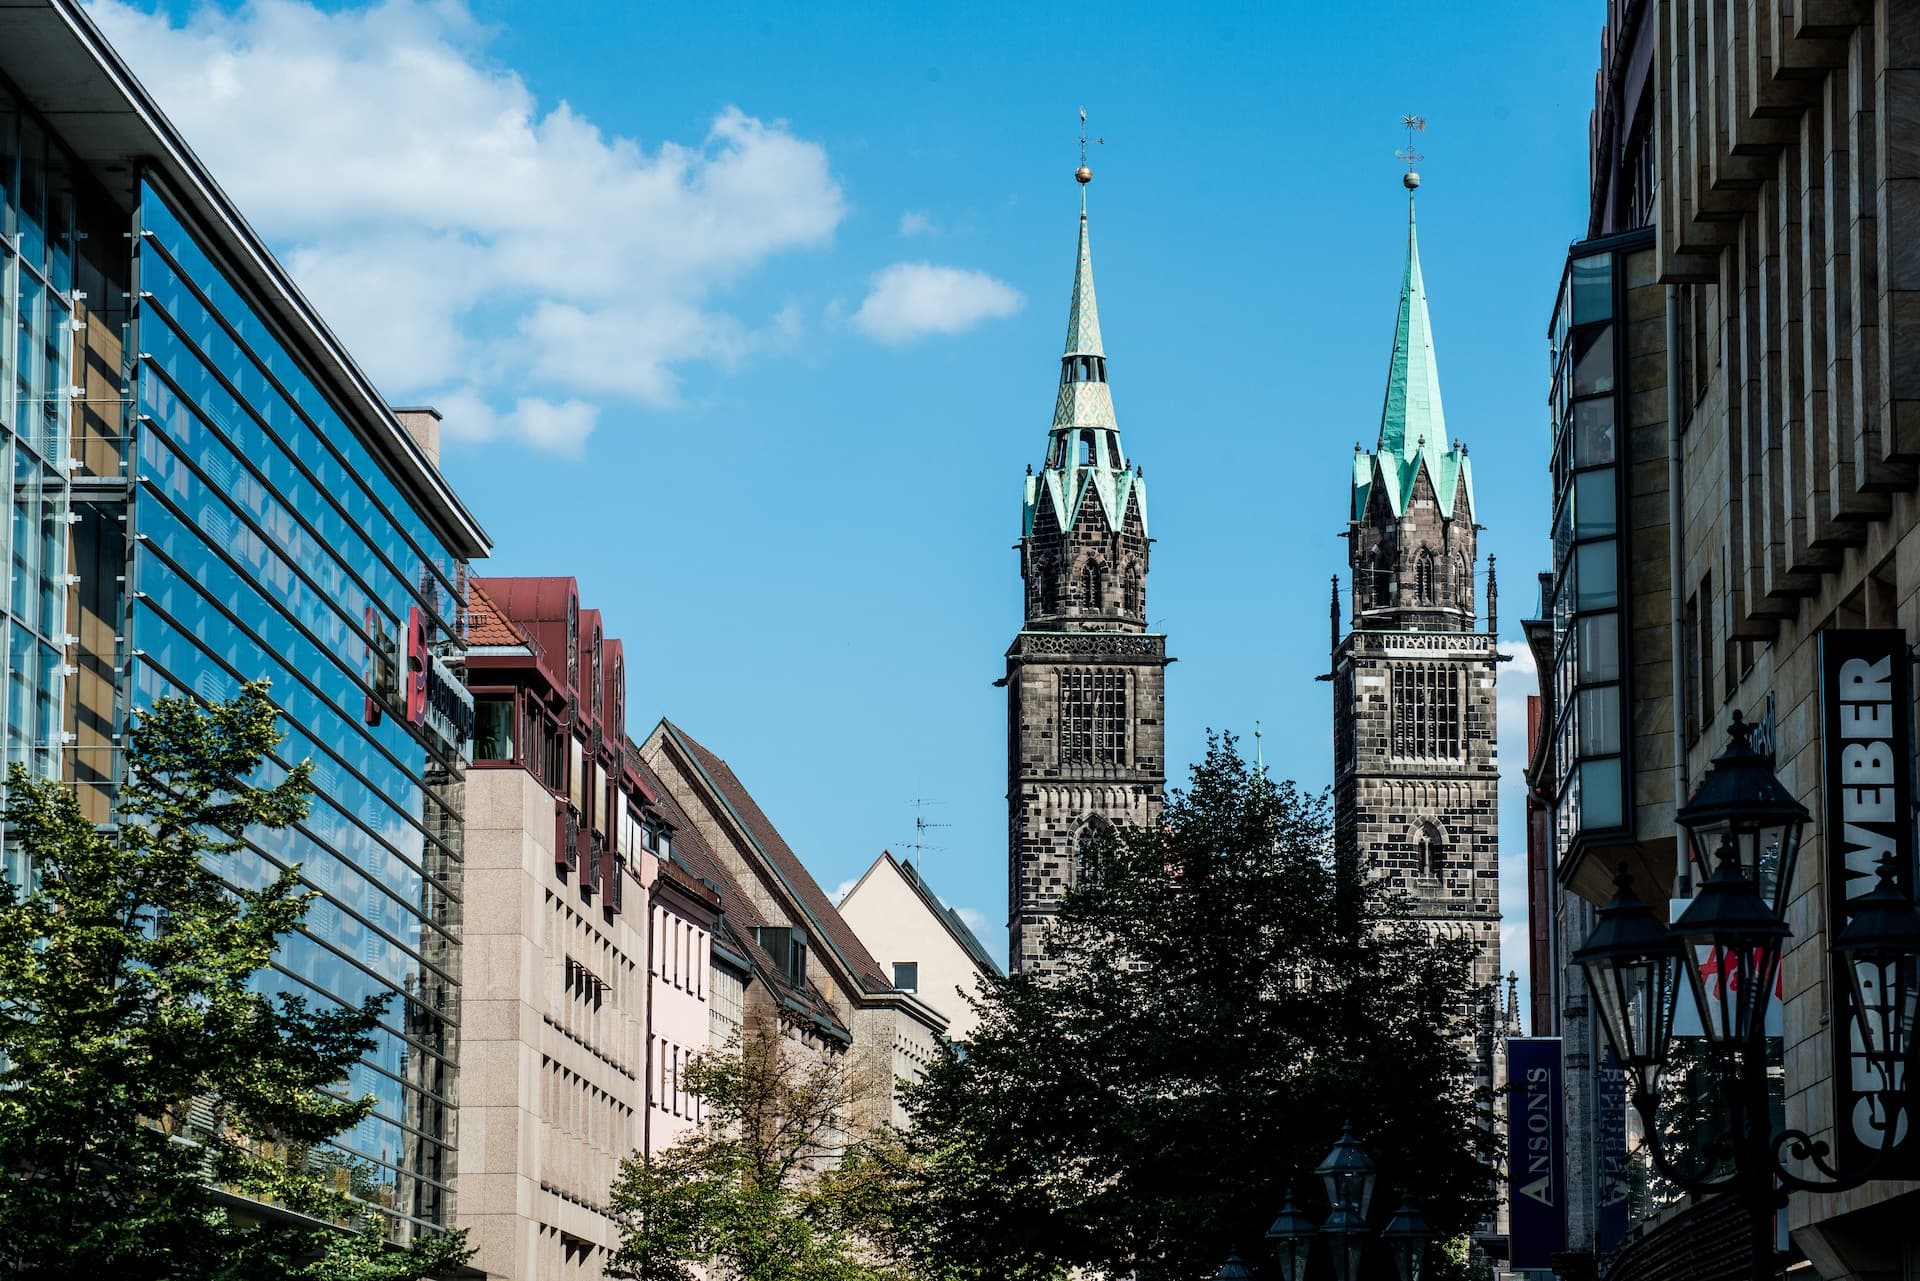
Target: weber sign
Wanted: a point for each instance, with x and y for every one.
(1866, 714)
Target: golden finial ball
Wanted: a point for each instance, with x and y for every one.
(1083, 175)
(1411, 181)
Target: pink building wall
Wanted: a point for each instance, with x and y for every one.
(678, 974)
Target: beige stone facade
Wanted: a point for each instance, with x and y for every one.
(809, 967)
(1789, 218)
(930, 951)
(551, 1083)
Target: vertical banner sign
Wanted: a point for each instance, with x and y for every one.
(1536, 1165)
(1610, 1124)
(1866, 715)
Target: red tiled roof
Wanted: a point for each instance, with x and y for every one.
(826, 918)
(486, 624)
(740, 915)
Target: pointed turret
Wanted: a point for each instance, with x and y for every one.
(1086, 462)
(1413, 547)
(1412, 410)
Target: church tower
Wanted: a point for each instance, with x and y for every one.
(1416, 779)
(1085, 679)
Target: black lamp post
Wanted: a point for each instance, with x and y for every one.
(1349, 1175)
(1728, 943)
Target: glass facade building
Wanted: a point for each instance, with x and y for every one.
(205, 492)
(1591, 795)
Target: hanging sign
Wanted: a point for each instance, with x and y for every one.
(1536, 1165)
(1866, 813)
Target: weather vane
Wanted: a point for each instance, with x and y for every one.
(1083, 175)
(1414, 124)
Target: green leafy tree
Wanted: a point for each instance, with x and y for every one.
(757, 1191)
(1229, 991)
(144, 1080)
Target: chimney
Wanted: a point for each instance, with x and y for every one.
(423, 424)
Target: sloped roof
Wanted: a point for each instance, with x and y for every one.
(826, 920)
(964, 936)
(739, 916)
(486, 623)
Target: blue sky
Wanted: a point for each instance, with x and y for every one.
(749, 317)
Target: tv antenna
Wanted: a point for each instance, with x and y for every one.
(921, 827)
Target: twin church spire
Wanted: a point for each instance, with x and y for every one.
(1086, 491)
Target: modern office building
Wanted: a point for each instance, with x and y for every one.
(1736, 452)
(205, 490)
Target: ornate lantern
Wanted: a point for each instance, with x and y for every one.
(1631, 962)
(1742, 802)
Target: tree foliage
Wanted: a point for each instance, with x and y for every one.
(755, 1192)
(143, 1075)
(1229, 991)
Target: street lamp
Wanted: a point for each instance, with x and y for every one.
(1407, 1234)
(1729, 942)
(1349, 1175)
(1742, 802)
(1631, 964)
(1292, 1238)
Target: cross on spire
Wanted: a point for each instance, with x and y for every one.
(1414, 124)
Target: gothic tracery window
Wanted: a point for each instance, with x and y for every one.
(1093, 718)
(1427, 708)
(1089, 586)
(1423, 578)
(1431, 848)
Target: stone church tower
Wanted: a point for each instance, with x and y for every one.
(1085, 679)
(1416, 780)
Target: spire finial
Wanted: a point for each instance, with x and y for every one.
(1084, 175)
(1414, 124)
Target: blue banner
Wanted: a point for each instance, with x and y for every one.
(1536, 1161)
(1610, 1125)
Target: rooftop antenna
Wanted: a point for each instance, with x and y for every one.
(1414, 124)
(921, 827)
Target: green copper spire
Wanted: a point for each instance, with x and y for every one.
(1083, 319)
(1412, 411)
(1084, 454)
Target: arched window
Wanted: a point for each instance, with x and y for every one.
(1379, 577)
(1130, 587)
(1090, 585)
(1431, 848)
(1463, 582)
(1049, 588)
(1423, 577)
(1095, 835)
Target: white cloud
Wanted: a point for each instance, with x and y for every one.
(470, 245)
(843, 889)
(976, 920)
(913, 223)
(910, 300)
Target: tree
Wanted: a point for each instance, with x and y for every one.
(755, 1193)
(1229, 991)
(143, 1077)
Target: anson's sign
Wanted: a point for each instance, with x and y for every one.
(1536, 1168)
(1866, 726)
